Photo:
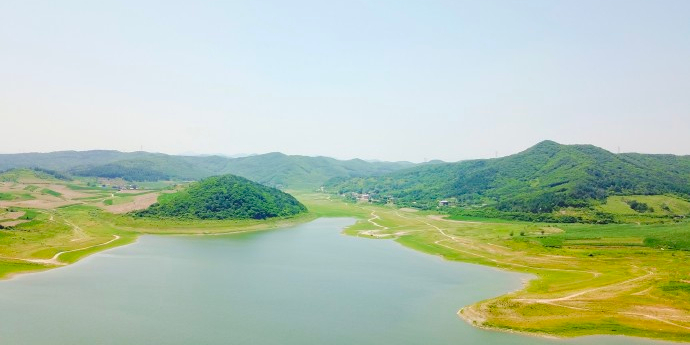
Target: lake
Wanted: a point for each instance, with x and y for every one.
(303, 285)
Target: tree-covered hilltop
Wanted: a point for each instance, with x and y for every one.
(272, 169)
(225, 197)
(540, 179)
(304, 172)
(128, 170)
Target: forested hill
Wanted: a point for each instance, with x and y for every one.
(273, 169)
(225, 197)
(542, 178)
(277, 169)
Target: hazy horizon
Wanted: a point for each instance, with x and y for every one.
(240, 155)
(377, 80)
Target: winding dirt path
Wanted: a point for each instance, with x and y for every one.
(553, 301)
(578, 294)
(460, 241)
(54, 260)
(78, 232)
(374, 217)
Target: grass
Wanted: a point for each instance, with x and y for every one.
(51, 192)
(662, 205)
(84, 188)
(31, 188)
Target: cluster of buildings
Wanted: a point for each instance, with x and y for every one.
(367, 197)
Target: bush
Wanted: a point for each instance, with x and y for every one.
(639, 207)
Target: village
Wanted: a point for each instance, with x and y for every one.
(375, 198)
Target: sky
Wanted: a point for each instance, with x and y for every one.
(388, 80)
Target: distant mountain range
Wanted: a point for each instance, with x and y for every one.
(542, 178)
(272, 169)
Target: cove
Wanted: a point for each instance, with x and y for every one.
(304, 285)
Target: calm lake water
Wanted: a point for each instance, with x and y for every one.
(304, 285)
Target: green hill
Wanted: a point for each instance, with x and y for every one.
(33, 174)
(541, 179)
(298, 172)
(129, 170)
(225, 197)
(273, 169)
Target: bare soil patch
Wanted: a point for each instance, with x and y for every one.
(443, 218)
(131, 191)
(42, 203)
(140, 202)
(13, 222)
(12, 215)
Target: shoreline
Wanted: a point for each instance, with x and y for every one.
(469, 319)
(19, 274)
(54, 263)
(475, 317)
(475, 320)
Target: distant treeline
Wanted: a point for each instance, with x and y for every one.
(271, 169)
(56, 174)
(139, 172)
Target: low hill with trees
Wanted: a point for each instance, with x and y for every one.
(225, 197)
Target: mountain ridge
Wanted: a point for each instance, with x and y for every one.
(542, 178)
(273, 169)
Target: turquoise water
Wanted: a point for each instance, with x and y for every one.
(303, 285)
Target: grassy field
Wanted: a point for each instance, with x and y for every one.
(588, 279)
(661, 204)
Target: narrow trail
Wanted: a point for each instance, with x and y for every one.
(569, 297)
(374, 217)
(655, 318)
(552, 301)
(78, 232)
(460, 241)
(642, 293)
(54, 260)
(584, 292)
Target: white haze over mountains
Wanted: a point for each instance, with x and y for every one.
(382, 79)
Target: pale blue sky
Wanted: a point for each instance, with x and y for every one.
(392, 80)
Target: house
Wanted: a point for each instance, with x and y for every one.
(443, 203)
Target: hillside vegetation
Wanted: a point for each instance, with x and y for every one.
(544, 178)
(272, 169)
(130, 170)
(303, 172)
(225, 197)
